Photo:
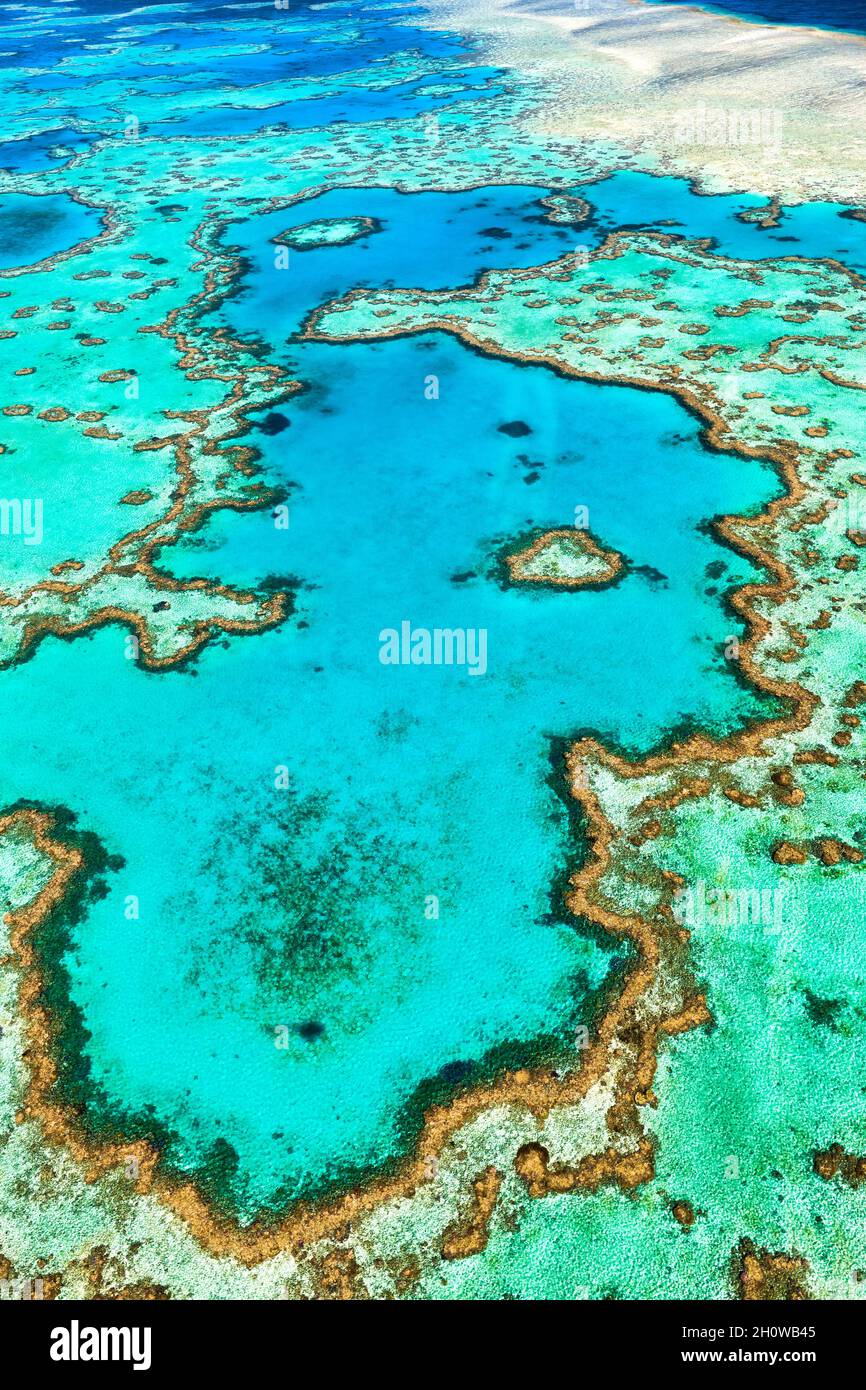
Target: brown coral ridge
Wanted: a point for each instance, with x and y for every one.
(103, 1285)
(469, 1235)
(152, 538)
(537, 1091)
(366, 226)
(543, 1179)
(838, 1162)
(767, 217)
(827, 850)
(517, 562)
(684, 1213)
(70, 872)
(339, 1278)
(28, 1288)
(764, 1277)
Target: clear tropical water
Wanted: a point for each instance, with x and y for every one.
(43, 225)
(838, 14)
(357, 861)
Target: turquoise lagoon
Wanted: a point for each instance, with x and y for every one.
(34, 228)
(304, 906)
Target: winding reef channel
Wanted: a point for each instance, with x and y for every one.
(489, 922)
